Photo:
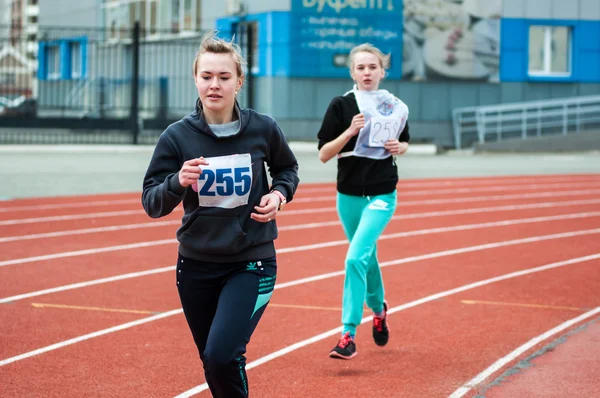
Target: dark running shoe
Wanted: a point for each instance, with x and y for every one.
(345, 348)
(381, 332)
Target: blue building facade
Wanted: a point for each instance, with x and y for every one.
(579, 19)
(445, 54)
(516, 50)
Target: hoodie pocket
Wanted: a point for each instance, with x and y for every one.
(215, 235)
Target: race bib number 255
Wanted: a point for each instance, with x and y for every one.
(225, 182)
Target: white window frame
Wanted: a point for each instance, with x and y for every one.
(53, 75)
(118, 11)
(547, 63)
(152, 30)
(76, 60)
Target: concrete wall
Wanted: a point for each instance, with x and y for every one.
(552, 9)
(299, 104)
(71, 13)
(574, 142)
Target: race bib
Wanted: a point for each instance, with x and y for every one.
(385, 117)
(382, 130)
(225, 182)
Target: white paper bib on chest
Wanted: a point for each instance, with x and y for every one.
(385, 118)
(225, 182)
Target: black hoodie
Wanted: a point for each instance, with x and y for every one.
(357, 176)
(216, 234)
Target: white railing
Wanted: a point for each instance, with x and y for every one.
(524, 119)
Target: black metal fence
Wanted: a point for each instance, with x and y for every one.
(73, 85)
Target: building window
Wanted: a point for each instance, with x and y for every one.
(76, 60)
(550, 51)
(188, 15)
(63, 59)
(175, 15)
(8, 79)
(53, 59)
(156, 17)
(152, 19)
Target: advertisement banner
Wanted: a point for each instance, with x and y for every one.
(428, 39)
(324, 31)
(451, 40)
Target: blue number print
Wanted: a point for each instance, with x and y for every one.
(226, 184)
(243, 179)
(227, 180)
(209, 176)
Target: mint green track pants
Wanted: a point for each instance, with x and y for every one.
(364, 219)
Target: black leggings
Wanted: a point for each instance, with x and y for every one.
(222, 304)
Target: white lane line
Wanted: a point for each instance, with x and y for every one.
(466, 182)
(292, 212)
(87, 252)
(541, 205)
(84, 231)
(312, 246)
(500, 188)
(450, 252)
(309, 225)
(301, 192)
(86, 284)
(331, 332)
(315, 278)
(456, 200)
(73, 217)
(71, 205)
(399, 308)
(464, 227)
(500, 363)
(89, 336)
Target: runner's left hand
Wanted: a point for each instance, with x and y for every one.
(395, 147)
(267, 209)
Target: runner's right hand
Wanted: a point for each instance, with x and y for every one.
(358, 122)
(190, 171)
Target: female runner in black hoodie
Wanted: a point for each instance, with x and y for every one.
(214, 161)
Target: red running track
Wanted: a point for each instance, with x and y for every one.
(474, 270)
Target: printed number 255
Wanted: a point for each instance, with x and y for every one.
(226, 181)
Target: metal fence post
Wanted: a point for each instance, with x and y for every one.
(135, 82)
(250, 58)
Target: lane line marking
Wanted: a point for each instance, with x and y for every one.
(461, 190)
(549, 183)
(461, 182)
(84, 231)
(70, 217)
(304, 307)
(463, 227)
(87, 252)
(317, 277)
(88, 336)
(316, 338)
(505, 304)
(309, 225)
(292, 212)
(403, 307)
(73, 205)
(500, 363)
(101, 309)
(86, 284)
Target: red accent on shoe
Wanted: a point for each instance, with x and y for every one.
(345, 340)
(378, 323)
